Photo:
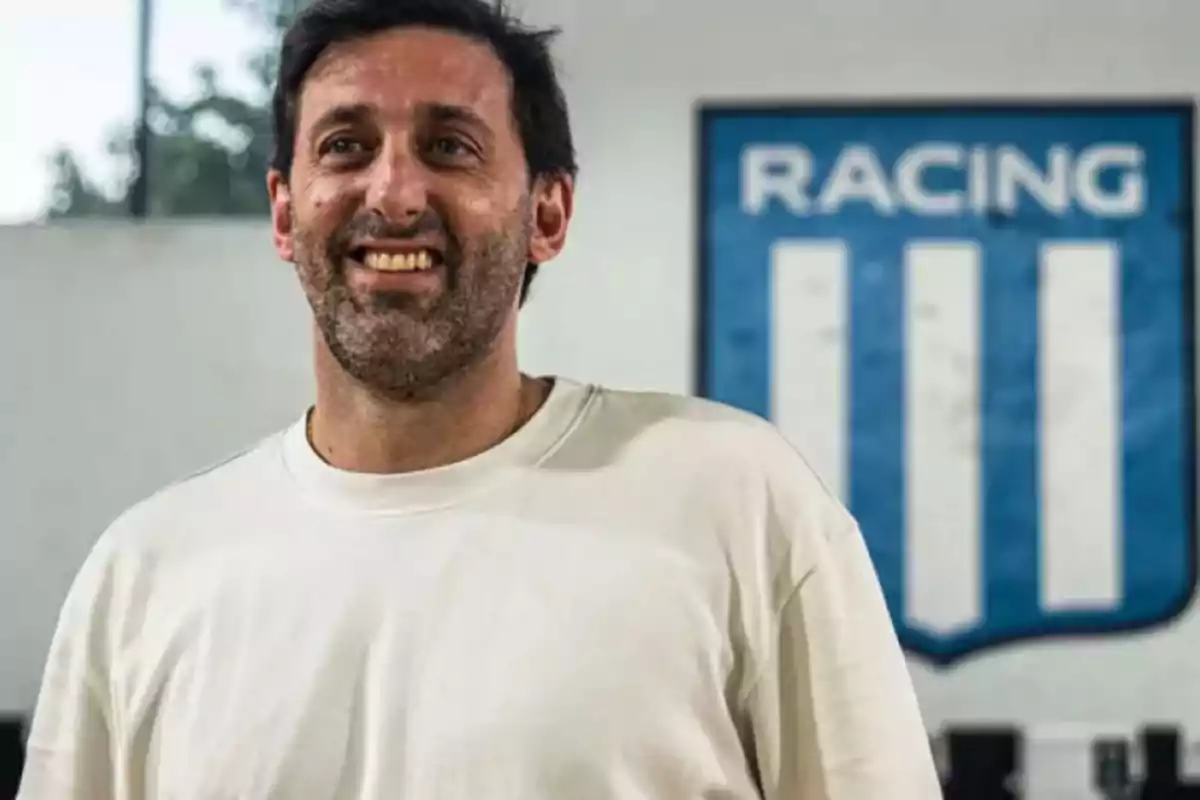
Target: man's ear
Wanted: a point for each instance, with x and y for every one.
(280, 195)
(553, 203)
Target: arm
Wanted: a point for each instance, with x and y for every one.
(833, 713)
(68, 749)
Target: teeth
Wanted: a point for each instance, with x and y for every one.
(399, 262)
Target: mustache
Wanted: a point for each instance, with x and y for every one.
(372, 225)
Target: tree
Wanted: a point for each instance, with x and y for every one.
(208, 155)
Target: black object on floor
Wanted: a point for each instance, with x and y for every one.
(1161, 747)
(983, 763)
(12, 755)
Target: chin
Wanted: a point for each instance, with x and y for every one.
(398, 366)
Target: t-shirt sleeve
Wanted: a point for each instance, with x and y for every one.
(833, 713)
(68, 753)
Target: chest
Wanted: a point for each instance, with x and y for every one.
(517, 657)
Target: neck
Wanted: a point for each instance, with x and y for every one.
(355, 429)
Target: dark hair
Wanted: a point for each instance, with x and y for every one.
(538, 105)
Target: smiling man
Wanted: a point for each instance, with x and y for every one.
(450, 580)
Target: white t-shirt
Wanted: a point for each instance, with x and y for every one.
(635, 597)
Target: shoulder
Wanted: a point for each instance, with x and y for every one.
(720, 440)
(111, 586)
(740, 496)
(734, 464)
(171, 525)
(165, 519)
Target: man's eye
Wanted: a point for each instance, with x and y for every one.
(341, 145)
(450, 146)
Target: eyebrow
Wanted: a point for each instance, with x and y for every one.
(442, 112)
(353, 113)
(341, 115)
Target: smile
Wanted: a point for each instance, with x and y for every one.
(392, 261)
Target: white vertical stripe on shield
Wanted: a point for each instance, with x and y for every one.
(1079, 406)
(808, 352)
(943, 589)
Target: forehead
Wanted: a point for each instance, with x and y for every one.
(397, 70)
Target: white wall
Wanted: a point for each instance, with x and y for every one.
(131, 355)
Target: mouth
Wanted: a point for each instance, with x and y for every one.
(420, 259)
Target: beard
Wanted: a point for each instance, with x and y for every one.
(408, 347)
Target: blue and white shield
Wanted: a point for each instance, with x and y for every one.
(976, 322)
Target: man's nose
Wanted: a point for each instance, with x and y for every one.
(398, 188)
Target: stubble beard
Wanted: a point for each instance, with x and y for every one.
(410, 349)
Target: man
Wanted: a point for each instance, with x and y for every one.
(451, 580)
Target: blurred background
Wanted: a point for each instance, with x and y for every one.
(147, 329)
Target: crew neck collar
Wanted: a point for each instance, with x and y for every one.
(440, 486)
